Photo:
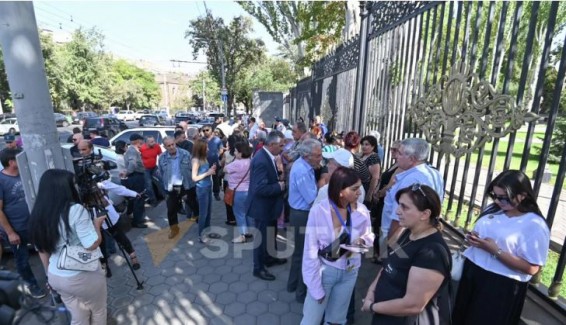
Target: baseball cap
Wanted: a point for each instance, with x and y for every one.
(9, 138)
(342, 157)
(135, 137)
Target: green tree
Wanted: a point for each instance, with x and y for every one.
(211, 90)
(273, 74)
(237, 48)
(133, 87)
(5, 97)
(85, 67)
(306, 30)
(54, 71)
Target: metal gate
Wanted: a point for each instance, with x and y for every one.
(481, 81)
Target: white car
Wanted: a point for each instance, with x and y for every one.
(126, 115)
(9, 125)
(158, 132)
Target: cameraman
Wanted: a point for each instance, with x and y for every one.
(136, 177)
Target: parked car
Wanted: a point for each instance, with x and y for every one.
(61, 120)
(184, 116)
(126, 115)
(9, 125)
(7, 115)
(79, 118)
(158, 132)
(151, 120)
(104, 125)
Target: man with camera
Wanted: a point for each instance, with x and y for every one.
(174, 168)
(14, 217)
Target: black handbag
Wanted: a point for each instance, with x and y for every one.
(333, 251)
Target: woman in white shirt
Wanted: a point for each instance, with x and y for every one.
(509, 244)
(58, 219)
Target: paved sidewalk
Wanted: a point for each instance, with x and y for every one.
(195, 284)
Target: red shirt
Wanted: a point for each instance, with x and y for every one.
(149, 155)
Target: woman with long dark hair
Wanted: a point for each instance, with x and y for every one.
(58, 218)
(509, 244)
(202, 175)
(407, 290)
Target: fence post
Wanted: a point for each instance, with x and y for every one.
(361, 72)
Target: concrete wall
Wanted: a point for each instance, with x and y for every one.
(267, 106)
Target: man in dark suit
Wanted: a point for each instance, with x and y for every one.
(265, 199)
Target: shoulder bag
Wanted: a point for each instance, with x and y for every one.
(78, 258)
(229, 194)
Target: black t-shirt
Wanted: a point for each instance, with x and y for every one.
(425, 253)
(363, 172)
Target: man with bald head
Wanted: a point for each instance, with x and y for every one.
(76, 139)
(85, 148)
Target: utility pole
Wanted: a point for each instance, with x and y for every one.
(220, 49)
(25, 69)
(203, 94)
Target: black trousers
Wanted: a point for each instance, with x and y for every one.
(488, 298)
(174, 204)
(298, 222)
(116, 232)
(229, 211)
(216, 181)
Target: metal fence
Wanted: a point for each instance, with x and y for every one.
(481, 81)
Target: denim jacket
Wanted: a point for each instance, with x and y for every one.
(165, 168)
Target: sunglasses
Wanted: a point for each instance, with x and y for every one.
(417, 187)
(501, 199)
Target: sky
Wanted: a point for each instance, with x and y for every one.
(151, 31)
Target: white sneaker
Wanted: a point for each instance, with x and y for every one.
(239, 239)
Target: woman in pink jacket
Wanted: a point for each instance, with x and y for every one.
(329, 270)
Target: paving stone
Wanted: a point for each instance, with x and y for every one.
(292, 318)
(212, 278)
(205, 270)
(245, 320)
(285, 296)
(241, 269)
(234, 309)
(238, 287)
(268, 318)
(258, 285)
(267, 296)
(224, 269)
(230, 278)
(155, 280)
(278, 307)
(226, 298)
(247, 297)
(159, 289)
(256, 308)
(204, 298)
(218, 287)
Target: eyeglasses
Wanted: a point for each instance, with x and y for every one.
(417, 187)
(502, 199)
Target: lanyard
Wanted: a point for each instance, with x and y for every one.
(345, 224)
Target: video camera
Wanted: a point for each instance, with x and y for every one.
(89, 171)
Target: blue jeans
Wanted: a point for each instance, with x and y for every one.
(239, 209)
(338, 285)
(21, 255)
(149, 184)
(204, 197)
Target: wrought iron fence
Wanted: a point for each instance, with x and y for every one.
(481, 81)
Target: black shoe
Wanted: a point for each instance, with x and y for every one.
(264, 275)
(249, 236)
(230, 223)
(108, 272)
(275, 261)
(139, 225)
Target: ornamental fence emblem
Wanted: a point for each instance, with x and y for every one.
(461, 113)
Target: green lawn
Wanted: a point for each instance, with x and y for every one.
(518, 148)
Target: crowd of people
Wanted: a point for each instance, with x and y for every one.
(327, 191)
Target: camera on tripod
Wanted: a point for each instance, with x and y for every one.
(89, 171)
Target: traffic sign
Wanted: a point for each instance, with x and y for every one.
(224, 92)
(224, 98)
